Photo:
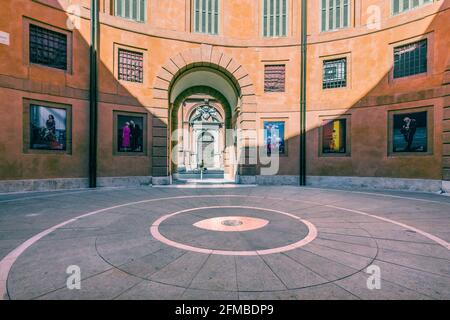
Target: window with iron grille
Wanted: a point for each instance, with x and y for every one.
(275, 18)
(48, 47)
(131, 66)
(274, 78)
(130, 9)
(335, 14)
(410, 59)
(400, 6)
(206, 16)
(335, 73)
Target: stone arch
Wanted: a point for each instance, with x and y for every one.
(212, 58)
(203, 56)
(176, 105)
(205, 90)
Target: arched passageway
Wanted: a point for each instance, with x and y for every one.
(207, 93)
(201, 127)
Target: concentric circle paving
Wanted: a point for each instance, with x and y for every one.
(288, 235)
(233, 247)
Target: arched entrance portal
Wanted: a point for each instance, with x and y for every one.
(191, 77)
(200, 118)
(200, 136)
(205, 130)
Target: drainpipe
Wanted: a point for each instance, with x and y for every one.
(93, 94)
(303, 94)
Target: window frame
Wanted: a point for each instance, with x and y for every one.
(430, 57)
(406, 71)
(116, 153)
(136, 79)
(218, 20)
(115, 11)
(26, 45)
(26, 122)
(324, 62)
(145, 75)
(430, 131)
(286, 131)
(263, 25)
(349, 78)
(348, 136)
(275, 63)
(350, 16)
(393, 14)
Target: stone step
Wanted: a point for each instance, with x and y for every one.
(207, 175)
(204, 182)
(181, 171)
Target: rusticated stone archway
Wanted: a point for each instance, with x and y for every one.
(212, 58)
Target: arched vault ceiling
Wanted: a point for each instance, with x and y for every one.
(205, 78)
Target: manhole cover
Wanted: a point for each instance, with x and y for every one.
(232, 223)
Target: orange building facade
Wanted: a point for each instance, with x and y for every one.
(176, 78)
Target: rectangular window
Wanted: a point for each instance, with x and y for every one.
(334, 73)
(130, 9)
(274, 78)
(206, 16)
(334, 136)
(410, 59)
(48, 47)
(274, 137)
(335, 14)
(131, 66)
(275, 18)
(130, 133)
(47, 127)
(410, 132)
(400, 6)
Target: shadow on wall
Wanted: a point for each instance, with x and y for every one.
(366, 140)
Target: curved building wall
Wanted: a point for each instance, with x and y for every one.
(169, 46)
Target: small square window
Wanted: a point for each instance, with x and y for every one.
(334, 73)
(410, 59)
(131, 66)
(47, 47)
(274, 78)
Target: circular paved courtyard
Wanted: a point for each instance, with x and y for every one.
(225, 243)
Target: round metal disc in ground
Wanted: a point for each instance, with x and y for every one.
(232, 223)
